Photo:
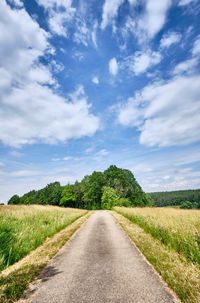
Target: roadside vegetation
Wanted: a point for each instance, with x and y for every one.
(15, 279)
(170, 240)
(23, 228)
(91, 191)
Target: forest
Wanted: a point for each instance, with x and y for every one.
(100, 190)
(182, 198)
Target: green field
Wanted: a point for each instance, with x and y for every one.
(23, 228)
(170, 240)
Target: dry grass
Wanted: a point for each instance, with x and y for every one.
(175, 228)
(180, 274)
(15, 279)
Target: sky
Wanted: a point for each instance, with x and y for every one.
(89, 84)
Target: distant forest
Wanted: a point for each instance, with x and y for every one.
(184, 198)
(100, 190)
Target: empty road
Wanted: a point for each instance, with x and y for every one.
(99, 265)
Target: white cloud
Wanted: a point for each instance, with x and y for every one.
(60, 14)
(141, 61)
(113, 66)
(67, 158)
(154, 17)
(17, 3)
(24, 173)
(110, 10)
(31, 110)
(16, 153)
(95, 80)
(185, 2)
(132, 2)
(94, 33)
(187, 66)
(1, 164)
(196, 47)
(82, 34)
(169, 39)
(89, 149)
(165, 113)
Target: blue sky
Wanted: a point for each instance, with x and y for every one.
(86, 84)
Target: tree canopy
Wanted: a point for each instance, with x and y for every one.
(114, 186)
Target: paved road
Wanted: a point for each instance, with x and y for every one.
(100, 265)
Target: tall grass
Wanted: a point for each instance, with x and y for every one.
(175, 228)
(23, 228)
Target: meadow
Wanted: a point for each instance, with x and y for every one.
(24, 228)
(170, 240)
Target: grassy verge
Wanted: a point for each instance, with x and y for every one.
(23, 228)
(181, 276)
(176, 228)
(16, 278)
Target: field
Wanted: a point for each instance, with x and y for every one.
(24, 228)
(170, 240)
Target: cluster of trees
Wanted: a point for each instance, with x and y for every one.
(184, 198)
(100, 190)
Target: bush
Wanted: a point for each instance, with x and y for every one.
(186, 205)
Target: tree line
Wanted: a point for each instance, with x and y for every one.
(184, 198)
(100, 190)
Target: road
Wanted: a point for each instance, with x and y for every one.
(99, 265)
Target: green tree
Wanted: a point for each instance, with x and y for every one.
(93, 190)
(110, 198)
(14, 200)
(68, 197)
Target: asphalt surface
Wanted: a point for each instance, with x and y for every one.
(99, 265)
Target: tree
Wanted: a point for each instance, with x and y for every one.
(93, 190)
(14, 200)
(110, 198)
(68, 197)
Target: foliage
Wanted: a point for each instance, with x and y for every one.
(177, 197)
(14, 200)
(87, 194)
(109, 198)
(68, 197)
(186, 205)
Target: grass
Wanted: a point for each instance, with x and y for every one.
(167, 238)
(175, 228)
(15, 279)
(23, 228)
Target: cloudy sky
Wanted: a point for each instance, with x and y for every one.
(86, 84)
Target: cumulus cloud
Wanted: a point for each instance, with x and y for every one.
(141, 61)
(95, 80)
(113, 66)
(165, 113)
(31, 110)
(110, 10)
(169, 39)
